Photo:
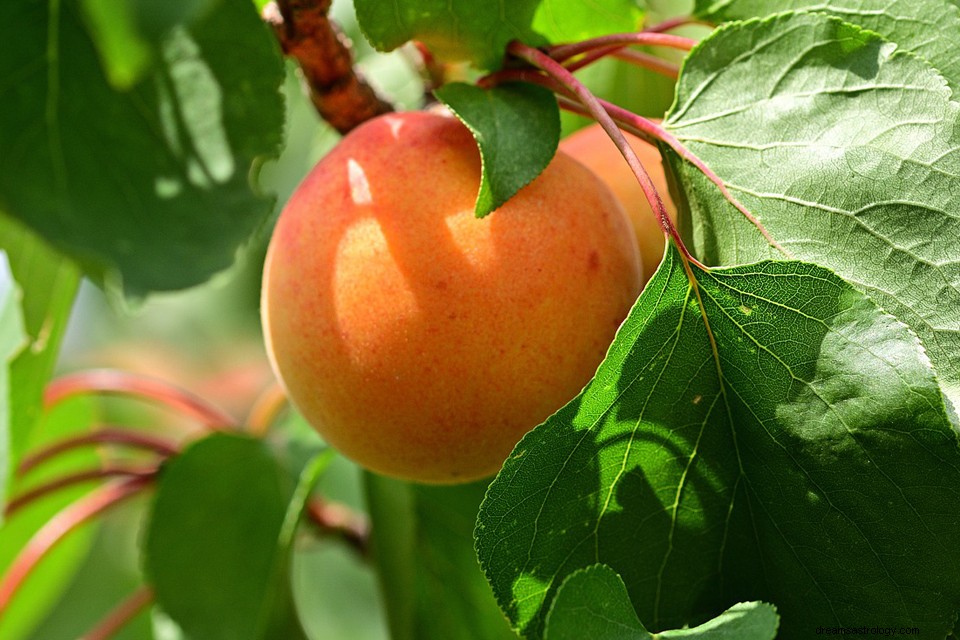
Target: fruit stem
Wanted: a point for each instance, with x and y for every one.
(563, 52)
(557, 71)
(338, 520)
(107, 471)
(124, 383)
(108, 435)
(121, 615)
(57, 528)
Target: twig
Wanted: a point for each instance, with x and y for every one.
(342, 97)
(121, 615)
(108, 435)
(125, 383)
(57, 528)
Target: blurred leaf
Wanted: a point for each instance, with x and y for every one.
(12, 339)
(478, 31)
(909, 23)
(594, 603)
(517, 127)
(423, 549)
(797, 453)
(128, 32)
(218, 544)
(848, 155)
(49, 283)
(52, 576)
(149, 188)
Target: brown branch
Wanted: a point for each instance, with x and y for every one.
(340, 94)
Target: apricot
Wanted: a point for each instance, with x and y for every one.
(592, 147)
(423, 342)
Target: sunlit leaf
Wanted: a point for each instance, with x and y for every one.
(798, 452)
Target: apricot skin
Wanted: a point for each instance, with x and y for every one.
(593, 148)
(418, 340)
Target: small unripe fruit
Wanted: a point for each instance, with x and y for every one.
(418, 340)
(593, 148)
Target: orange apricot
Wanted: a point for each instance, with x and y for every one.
(418, 340)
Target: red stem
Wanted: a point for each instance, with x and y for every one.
(647, 61)
(45, 489)
(638, 58)
(108, 435)
(125, 383)
(673, 23)
(57, 528)
(563, 52)
(121, 615)
(567, 79)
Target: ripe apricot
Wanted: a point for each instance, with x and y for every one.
(593, 147)
(418, 340)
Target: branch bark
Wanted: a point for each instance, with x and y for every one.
(306, 33)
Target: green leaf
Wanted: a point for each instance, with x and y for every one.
(48, 283)
(517, 127)
(127, 33)
(12, 339)
(218, 544)
(792, 454)
(149, 188)
(53, 576)
(594, 603)
(478, 31)
(423, 548)
(848, 155)
(909, 23)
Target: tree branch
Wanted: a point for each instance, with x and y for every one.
(340, 94)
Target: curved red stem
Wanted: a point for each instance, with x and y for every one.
(107, 435)
(123, 382)
(57, 528)
(569, 82)
(563, 52)
(107, 471)
(119, 617)
(672, 23)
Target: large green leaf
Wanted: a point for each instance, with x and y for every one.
(909, 23)
(594, 603)
(48, 283)
(149, 188)
(517, 127)
(846, 149)
(798, 452)
(423, 548)
(478, 31)
(218, 543)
